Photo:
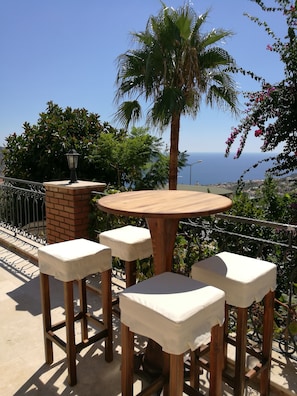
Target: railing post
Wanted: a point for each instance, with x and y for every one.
(68, 208)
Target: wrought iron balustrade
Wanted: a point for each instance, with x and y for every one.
(274, 242)
(22, 208)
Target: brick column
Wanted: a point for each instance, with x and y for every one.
(68, 208)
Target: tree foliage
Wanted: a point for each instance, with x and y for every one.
(134, 159)
(39, 152)
(174, 66)
(268, 203)
(131, 160)
(271, 112)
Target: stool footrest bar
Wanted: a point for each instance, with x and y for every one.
(188, 390)
(57, 326)
(154, 386)
(204, 364)
(257, 369)
(98, 322)
(91, 340)
(57, 340)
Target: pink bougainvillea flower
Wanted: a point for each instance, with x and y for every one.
(258, 132)
(269, 90)
(269, 47)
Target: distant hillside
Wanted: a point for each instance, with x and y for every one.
(285, 184)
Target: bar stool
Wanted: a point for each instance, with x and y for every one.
(245, 280)
(71, 261)
(128, 243)
(179, 314)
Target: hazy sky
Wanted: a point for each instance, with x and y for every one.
(65, 51)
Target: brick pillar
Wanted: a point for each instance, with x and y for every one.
(68, 208)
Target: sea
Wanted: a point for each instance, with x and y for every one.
(215, 168)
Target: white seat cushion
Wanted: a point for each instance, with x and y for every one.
(129, 243)
(244, 279)
(175, 311)
(74, 260)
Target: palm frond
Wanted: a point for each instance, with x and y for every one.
(214, 37)
(174, 66)
(129, 111)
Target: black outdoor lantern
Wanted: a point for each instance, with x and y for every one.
(72, 159)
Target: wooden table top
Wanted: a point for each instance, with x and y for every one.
(176, 204)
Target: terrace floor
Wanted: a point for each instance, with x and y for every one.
(22, 367)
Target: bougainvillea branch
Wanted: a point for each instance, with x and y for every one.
(271, 113)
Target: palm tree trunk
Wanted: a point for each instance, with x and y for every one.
(173, 160)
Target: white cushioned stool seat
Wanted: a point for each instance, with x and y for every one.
(244, 279)
(74, 259)
(68, 262)
(173, 310)
(129, 243)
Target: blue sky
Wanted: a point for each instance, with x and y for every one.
(65, 51)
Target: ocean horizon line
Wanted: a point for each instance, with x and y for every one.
(206, 168)
(231, 153)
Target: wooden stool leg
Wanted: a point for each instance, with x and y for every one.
(267, 342)
(46, 316)
(70, 338)
(107, 313)
(130, 270)
(216, 360)
(176, 375)
(165, 373)
(194, 368)
(226, 334)
(240, 359)
(83, 309)
(127, 360)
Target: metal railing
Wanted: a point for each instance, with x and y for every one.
(270, 241)
(22, 208)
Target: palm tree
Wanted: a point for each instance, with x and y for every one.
(174, 66)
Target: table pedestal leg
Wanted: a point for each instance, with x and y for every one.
(163, 234)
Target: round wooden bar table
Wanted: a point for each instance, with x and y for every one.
(162, 210)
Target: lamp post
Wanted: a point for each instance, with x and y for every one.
(72, 159)
(190, 165)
